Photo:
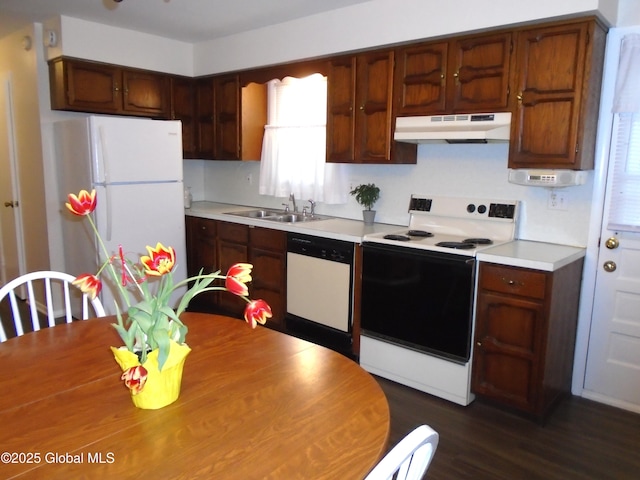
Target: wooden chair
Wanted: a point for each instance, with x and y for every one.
(410, 458)
(48, 279)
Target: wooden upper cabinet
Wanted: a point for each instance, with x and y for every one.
(102, 88)
(359, 111)
(374, 76)
(183, 109)
(341, 103)
(145, 93)
(420, 79)
(84, 86)
(557, 83)
(227, 117)
(468, 74)
(204, 128)
(480, 79)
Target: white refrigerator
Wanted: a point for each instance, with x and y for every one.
(135, 165)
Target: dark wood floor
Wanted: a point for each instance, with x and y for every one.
(580, 440)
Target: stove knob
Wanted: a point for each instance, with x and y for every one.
(471, 208)
(482, 208)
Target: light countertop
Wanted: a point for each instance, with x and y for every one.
(333, 227)
(536, 255)
(519, 253)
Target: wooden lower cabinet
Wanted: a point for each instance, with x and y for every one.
(201, 255)
(525, 336)
(233, 247)
(217, 245)
(268, 254)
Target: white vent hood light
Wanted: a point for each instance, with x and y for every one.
(459, 128)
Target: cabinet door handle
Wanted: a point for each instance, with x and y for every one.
(513, 283)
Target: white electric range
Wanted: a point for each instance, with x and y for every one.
(453, 225)
(418, 292)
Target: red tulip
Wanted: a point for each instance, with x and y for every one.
(82, 204)
(89, 284)
(160, 260)
(237, 277)
(257, 311)
(135, 378)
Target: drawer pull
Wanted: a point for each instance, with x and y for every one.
(513, 283)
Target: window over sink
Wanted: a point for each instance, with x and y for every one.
(294, 144)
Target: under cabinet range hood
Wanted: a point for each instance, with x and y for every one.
(458, 128)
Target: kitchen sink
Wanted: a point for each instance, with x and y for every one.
(278, 216)
(258, 213)
(290, 218)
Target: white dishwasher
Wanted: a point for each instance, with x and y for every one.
(320, 290)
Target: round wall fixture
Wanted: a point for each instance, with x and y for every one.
(27, 42)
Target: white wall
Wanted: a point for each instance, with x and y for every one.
(379, 22)
(88, 40)
(455, 170)
(628, 13)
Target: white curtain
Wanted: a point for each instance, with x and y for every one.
(624, 213)
(294, 145)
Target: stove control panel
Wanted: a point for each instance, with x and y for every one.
(502, 210)
(468, 208)
(496, 210)
(420, 204)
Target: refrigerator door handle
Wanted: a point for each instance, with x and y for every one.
(108, 211)
(104, 161)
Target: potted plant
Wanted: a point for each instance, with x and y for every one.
(154, 350)
(367, 194)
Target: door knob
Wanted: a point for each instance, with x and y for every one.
(10, 204)
(611, 243)
(609, 266)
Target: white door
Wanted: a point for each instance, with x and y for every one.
(11, 259)
(613, 360)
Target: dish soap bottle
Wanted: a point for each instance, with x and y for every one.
(188, 198)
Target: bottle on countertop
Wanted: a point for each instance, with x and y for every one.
(188, 197)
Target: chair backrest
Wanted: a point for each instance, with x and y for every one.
(410, 458)
(53, 283)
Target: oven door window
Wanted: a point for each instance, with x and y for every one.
(422, 300)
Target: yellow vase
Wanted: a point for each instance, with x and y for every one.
(162, 386)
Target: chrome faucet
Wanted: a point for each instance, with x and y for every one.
(292, 198)
(313, 208)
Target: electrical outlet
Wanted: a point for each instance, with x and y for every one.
(557, 201)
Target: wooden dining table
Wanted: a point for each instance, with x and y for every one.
(254, 404)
